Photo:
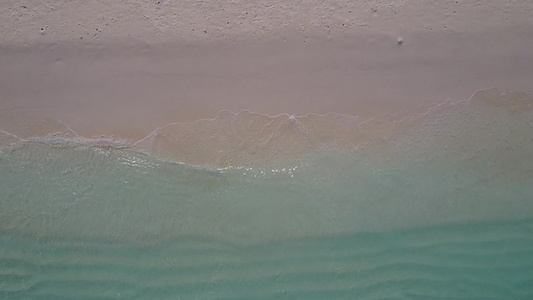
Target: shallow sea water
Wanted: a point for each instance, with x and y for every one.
(441, 211)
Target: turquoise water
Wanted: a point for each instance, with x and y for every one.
(474, 261)
(441, 211)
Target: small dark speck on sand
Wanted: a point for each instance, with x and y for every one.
(400, 41)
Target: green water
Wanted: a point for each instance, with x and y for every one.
(444, 211)
(475, 261)
(91, 223)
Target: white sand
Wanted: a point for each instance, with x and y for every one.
(125, 68)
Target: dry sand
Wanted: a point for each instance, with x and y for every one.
(125, 68)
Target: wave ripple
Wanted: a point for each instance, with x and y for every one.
(469, 261)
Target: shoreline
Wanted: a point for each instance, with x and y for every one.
(117, 71)
(250, 139)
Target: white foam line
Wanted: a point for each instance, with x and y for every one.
(155, 132)
(69, 128)
(294, 116)
(11, 134)
(234, 114)
(288, 116)
(452, 103)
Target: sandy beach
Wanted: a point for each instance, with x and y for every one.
(124, 69)
(374, 149)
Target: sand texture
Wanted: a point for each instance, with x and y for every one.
(119, 70)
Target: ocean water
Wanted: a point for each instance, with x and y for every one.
(435, 204)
